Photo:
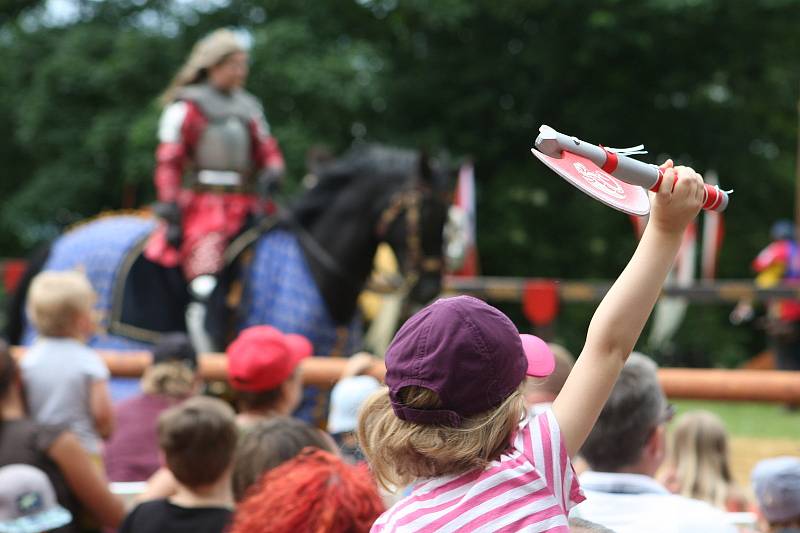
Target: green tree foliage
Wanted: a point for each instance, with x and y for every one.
(711, 83)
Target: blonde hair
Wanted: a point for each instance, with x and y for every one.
(698, 452)
(210, 51)
(171, 378)
(56, 300)
(400, 452)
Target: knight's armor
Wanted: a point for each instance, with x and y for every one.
(222, 155)
(213, 146)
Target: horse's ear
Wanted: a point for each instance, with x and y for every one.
(424, 169)
(435, 173)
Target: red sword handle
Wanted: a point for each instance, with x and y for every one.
(714, 198)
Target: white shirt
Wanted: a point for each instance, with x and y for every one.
(58, 373)
(633, 503)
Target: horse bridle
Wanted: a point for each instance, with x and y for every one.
(416, 263)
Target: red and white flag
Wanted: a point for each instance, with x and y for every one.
(713, 235)
(671, 310)
(464, 202)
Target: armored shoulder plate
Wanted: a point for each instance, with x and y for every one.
(217, 105)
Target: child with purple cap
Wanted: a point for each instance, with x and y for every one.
(453, 420)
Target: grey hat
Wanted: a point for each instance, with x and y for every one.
(28, 501)
(776, 483)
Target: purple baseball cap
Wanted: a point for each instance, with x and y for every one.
(467, 352)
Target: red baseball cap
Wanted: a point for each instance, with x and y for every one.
(262, 357)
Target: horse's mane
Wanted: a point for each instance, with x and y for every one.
(373, 162)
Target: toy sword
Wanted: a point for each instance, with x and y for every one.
(608, 174)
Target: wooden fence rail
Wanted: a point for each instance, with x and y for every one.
(505, 289)
(689, 383)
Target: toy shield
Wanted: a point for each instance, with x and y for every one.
(588, 177)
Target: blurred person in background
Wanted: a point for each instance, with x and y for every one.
(132, 453)
(776, 483)
(79, 486)
(314, 492)
(624, 450)
(264, 372)
(66, 382)
(698, 463)
(268, 444)
(215, 153)
(778, 263)
(347, 397)
(28, 501)
(197, 439)
(539, 393)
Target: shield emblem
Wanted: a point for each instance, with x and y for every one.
(600, 185)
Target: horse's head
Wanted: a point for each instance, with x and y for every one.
(373, 194)
(412, 223)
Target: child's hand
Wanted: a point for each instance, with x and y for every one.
(358, 364)
(677, 204)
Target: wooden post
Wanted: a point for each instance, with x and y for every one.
(797, 176)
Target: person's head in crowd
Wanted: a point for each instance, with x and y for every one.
(544, 390)
(776, 483)
(264, 371)
(269, 443)
(60, 304)
(782, 230)
(28, 501)
(698, 463)
(630, 434)
(579, 525)
(455, 373)
(315, 492)
(347, 397)
(198, 440)
(173, 371)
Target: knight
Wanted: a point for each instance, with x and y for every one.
(778, 263)
(216, 160)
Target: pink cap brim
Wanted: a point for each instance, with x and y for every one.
(541, 361)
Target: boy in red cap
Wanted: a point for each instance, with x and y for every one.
(263, 369)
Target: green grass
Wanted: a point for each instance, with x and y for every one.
(744, 419)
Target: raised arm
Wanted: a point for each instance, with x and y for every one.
(620, 317)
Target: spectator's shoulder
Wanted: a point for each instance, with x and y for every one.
(149, 508)
(92, 360)
(699, 515)
(159, 503)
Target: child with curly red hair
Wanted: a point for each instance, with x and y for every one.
(315, 492)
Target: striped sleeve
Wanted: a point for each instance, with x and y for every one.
(539, 440)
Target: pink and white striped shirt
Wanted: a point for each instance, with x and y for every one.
(531, 487)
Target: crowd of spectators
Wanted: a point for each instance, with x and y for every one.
(477, 428)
